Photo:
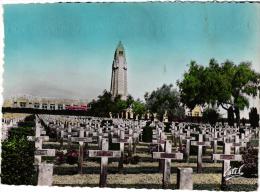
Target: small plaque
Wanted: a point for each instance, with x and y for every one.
(227, 157)
(104, 153)
(189, 138)
(43, 132)
(100, 153)
(124, 140)
(81, 139)
(236, 144)
(168, 155)
(41, 152)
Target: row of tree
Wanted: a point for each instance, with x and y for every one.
(158, 101)
(217, 85)
(106, 104)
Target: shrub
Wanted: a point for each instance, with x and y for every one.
(254, 118)
(17, 161)
(147, 134)
(250, 161)
(24, 128)
(72, 157)
(167, 127)
(28, 121)
(52, 133)
(21, 132)
(113, 146)
(60, 157)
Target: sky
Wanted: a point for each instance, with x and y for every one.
(66, 49)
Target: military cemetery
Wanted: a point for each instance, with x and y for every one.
(189, 133)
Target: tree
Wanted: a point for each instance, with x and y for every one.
(106, 104)
(139, 107)
(164, 99)
(254, 118)
(211, 116)
(243, 82)
(190, 85)
(231, 118)
(129, 100)
(226, 85)
(120, 105)
(103, 105)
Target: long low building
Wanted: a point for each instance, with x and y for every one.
(46, 103)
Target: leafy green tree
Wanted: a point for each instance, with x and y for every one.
(164, 99)
(243, 81)
(226, 85)
(189, 86)
(120, 105)
(139, 107)
(129, 100)
(103, 105)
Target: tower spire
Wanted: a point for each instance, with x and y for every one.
(119, 73)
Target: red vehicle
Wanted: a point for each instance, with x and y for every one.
(77, 108)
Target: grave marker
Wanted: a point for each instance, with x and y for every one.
(104, 154)
(166, 157)
(184, 178)
(226, 158)
(187, 138)
(200, 144)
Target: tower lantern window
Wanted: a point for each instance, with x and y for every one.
(120, 52)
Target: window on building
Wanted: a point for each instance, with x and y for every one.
(44, 106)
(15, 104)
(121, 52)
(22, 104)
(52, 106)
(60, 107)
(36, 105)
(196, 114)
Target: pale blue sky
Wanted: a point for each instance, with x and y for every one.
(66, 50)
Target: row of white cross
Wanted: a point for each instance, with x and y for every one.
(85, 130)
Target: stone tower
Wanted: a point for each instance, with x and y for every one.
(119, 73)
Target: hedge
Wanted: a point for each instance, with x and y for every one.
(17, 162)
(18, 156)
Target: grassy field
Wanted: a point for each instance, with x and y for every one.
(146, 174)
